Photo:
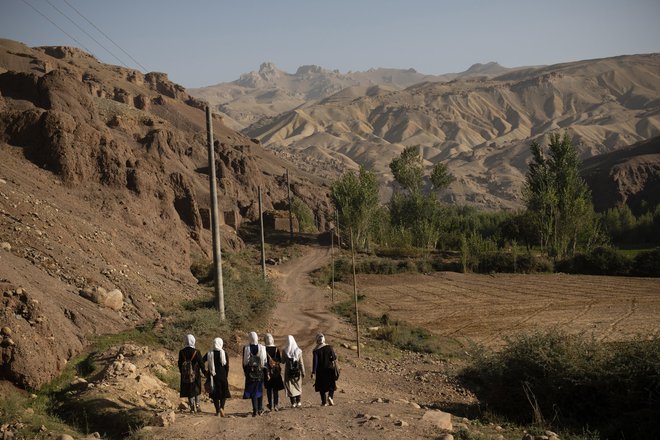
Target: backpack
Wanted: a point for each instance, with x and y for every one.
(187, 370)
(293, 369)
(273, 365)
(253, 367)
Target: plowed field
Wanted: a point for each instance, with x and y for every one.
(487, 308)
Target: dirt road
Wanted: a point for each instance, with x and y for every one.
(358, 413)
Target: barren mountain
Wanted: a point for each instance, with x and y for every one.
(271, 91)
(97, 164)
(481, 127)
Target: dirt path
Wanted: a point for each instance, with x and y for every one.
(367, 406)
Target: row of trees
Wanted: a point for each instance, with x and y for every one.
(559, 217)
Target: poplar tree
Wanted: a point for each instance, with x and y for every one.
(557, 198)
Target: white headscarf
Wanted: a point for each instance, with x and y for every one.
(320, 341)
(210, 357)
(270, 342)
(261, 350)
(291, 349)
(189, 341)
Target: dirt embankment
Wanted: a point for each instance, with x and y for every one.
(104, 201)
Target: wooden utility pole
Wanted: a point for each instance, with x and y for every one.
(288, 190)
(215, 224)
(355, 295)
(332, 256)
(338, 233)
(263, 244)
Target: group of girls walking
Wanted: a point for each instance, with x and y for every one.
(264, 366)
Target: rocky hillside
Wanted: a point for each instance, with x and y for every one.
(271, 91)
(629, 176)
(103, 196)
(481, 127)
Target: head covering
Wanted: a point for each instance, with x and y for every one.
(210, 357)
(189, 341)
(254, 338)
(270, 342)
(261, 350)
(291, 348)
(320, 341)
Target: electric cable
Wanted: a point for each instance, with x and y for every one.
(87, 33)
(106, 36)
(57, 26)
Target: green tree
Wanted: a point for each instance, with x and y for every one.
(413, 208)
(303, 214)
(408, 171)
(558, 199)
(356, 198)
(441, 177)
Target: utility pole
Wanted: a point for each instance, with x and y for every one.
(338, 233)
(288, 190)
(215, 225)
(355, 295)
(263, 245)
(332, 256)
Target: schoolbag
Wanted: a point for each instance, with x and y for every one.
(293, 369)
(254, 370)
(273, 365)
(187, 370)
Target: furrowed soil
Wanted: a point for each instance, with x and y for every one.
(488, 308)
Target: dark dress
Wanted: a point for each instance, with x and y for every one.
(220, 384)
(195, 388)
(253, 389)
(325, 373)
(275, 380)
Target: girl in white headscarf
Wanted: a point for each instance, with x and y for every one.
(254, 365)
(294, 371)
(190, 367)
(217, 372)
(274, 381)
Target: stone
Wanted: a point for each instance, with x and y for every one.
(114, 300)
(164, 419)
(415, 405)
(6, 331)
(446, 437)
(64, 437)
(5, 246)
(438, 418)
(527, 437)
(401, 423)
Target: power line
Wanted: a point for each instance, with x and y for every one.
(87, 33)
(106, 36)
(57, 26)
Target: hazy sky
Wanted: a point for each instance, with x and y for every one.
(205, 42)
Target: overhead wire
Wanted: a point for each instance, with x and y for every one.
(57, 26)
(86, 33)
(105, 35)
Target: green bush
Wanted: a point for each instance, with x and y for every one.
(600, 261)
(647, 264)
(575, 381)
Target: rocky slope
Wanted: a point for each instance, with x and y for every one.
(481, 127)
(271, 91)
(629, 176)
(103, 191)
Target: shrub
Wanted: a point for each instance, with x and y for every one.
(647, 264)
(575, 380)
(600, 261)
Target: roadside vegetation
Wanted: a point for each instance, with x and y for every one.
(572, 383)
